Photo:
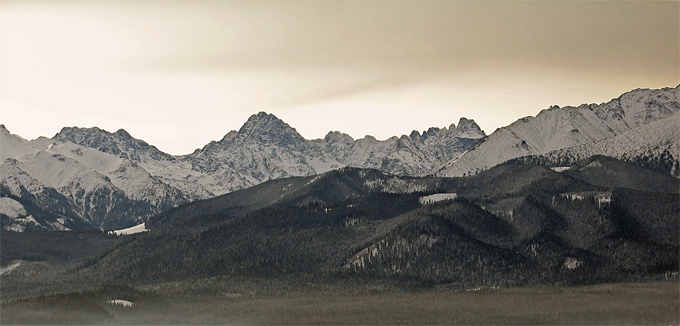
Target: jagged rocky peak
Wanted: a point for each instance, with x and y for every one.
(468, 128)
(123, 134)
(432, 131)
(261, 123)
(369, 139)
(92, 137)
(267, 127)
(229, 136)
(338, 137)
(78, 135)
(120, 143)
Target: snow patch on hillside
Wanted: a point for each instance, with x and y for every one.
(131, 230)
(123, 303)
(425, 200)
(560, 168)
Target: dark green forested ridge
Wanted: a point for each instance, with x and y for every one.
(515, 224)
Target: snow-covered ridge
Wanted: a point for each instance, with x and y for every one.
(657, 141)
(77, 183)
(267, 148)
(112, 180)
(557, 128)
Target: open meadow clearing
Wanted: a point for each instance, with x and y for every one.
(625, 303)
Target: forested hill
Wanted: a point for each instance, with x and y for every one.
(510, 225)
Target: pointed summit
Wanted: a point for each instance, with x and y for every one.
(468, 128)
(260, 122)
(12, 145)
(267, 127)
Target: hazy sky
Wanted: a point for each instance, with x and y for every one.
(179, 74)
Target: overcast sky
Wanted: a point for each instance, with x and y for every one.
(179, 74)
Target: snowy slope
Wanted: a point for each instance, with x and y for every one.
(90, 194)
(13, 145)
(655, 146)
(41, 143)
(125, 174)
(181, 180)
(79, 185)
(52, 210)
(11, 208)
(557, 128)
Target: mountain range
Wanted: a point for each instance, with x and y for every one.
(91, 178)
(264, 210)
(88, 178)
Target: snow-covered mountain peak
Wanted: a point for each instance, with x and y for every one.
(432, 131)
(557, 128)
(338, 137)
(260, 123)
(369, 139)
(267, 127)
(641, 106)
(12, 145)
(123, 134)
(120, 143)
(96, 175)
(468, 128)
